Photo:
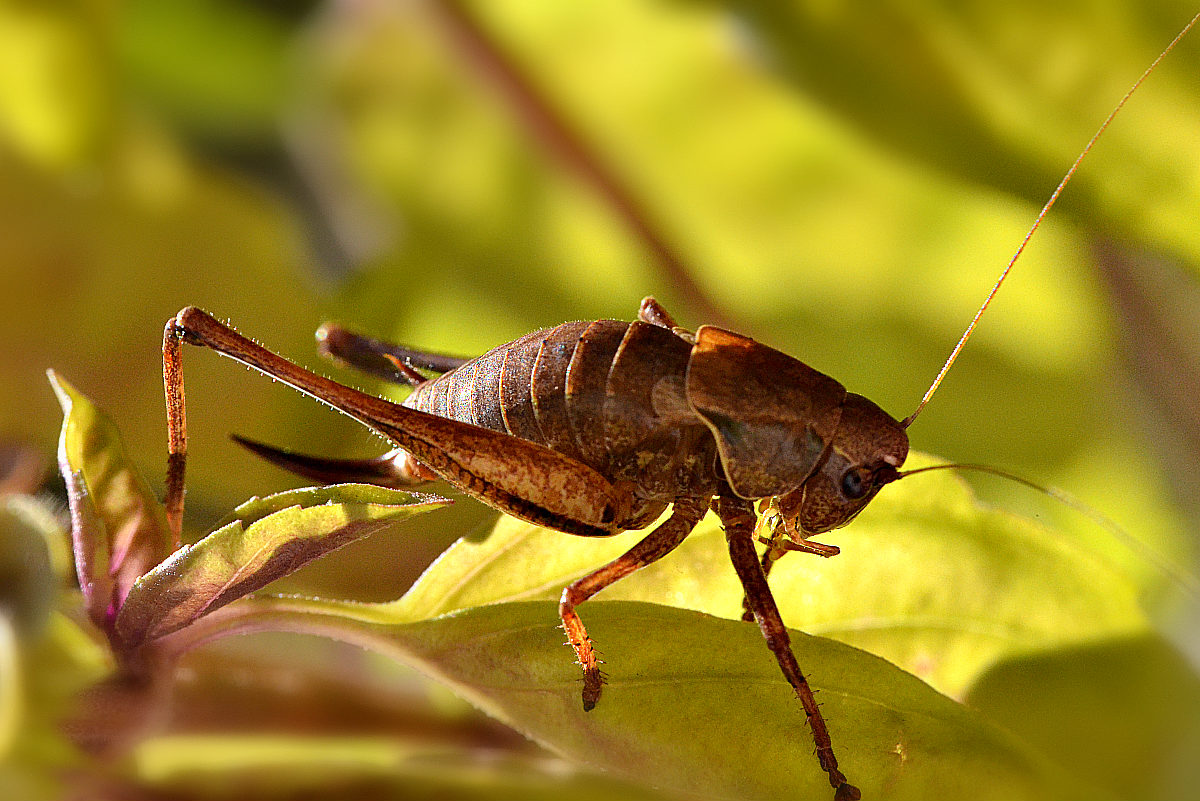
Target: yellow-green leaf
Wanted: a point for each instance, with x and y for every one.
(273, 537)
(118, 526)
(1124, 711)
(358, 767)
(689, 696)
(928, 578)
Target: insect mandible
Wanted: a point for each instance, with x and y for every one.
(593, 428)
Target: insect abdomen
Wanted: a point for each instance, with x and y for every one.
(605, 392)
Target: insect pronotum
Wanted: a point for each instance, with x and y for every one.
(596, 427)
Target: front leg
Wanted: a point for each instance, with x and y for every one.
(737, 515)
(768, 531)
(660, 542)
(771, 532)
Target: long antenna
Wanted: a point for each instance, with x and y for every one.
(1182, 578)
(1041, 215)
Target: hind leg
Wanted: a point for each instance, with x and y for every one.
(381, 359)
(516, 476)
(396, 468)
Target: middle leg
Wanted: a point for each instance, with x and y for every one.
(660, 542)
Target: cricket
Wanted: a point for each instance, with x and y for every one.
(597, 427)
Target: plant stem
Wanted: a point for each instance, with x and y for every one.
(553, 130)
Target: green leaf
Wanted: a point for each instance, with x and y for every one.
(27, 576)
(1124, 711)
(943, 586)
(684, 686)
(117, 525)
(41, 677)
(366, 767)
(927, 578)
(273, 537)
(953, 87)
(514, 561)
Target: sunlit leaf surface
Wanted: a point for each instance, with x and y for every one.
(119, 528)
(940, 585)
(272, 538)
(684, 686)
(927, 578)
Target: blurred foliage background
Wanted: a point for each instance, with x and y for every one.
(839, 180)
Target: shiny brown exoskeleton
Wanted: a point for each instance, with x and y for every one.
(594, 428)
(664, 414)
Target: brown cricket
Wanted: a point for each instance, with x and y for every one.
(593, 428)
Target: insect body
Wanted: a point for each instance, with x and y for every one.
(596, 427)
(665, 415)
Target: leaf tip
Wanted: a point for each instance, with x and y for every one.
(62, 390)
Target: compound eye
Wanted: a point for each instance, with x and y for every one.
(854, 485)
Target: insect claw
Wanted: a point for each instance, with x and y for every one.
(593, 684)
(847, 792)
